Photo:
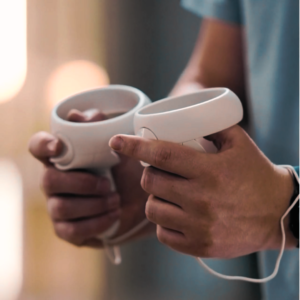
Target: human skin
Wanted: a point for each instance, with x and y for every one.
(221, 205)
(78, 202)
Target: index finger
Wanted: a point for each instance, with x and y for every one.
(167, 156)
(43, 145)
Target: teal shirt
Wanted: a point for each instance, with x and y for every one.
(272, 62)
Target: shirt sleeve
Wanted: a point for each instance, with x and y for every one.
(225, 10)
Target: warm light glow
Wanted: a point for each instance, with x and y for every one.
(10, 231)
(74, 77)
(13, 56)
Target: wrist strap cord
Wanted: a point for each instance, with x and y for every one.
(111, 247)
(113, 251)
(262, 280)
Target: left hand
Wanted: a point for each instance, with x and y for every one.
(219, 205)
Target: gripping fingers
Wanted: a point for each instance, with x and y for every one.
(80, 183)
(74, 207)
(171, 238)
(165, 214)
(79, 232)
(165, 185)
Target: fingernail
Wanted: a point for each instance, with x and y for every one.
(116, 143)
(52, 146)
(114, 214)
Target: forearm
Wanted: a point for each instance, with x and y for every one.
(217, 61)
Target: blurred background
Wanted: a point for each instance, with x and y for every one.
(49, 50)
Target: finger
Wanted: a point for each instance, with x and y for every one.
(171, 157)
(70, 208)
(43, 145)
(93, 243)
(227, 138)
(165, 214)
(79, 183)
(171, 238)
(165, 185)
(77, 232)
(91, 115)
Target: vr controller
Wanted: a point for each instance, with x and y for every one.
(189, 118)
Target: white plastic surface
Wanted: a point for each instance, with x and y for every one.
(86, 144)
(188, 117)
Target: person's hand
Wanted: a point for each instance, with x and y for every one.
(81, 204)
(219, 205)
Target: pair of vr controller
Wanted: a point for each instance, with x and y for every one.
(185, 120)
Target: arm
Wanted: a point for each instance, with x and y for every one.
(217, 61)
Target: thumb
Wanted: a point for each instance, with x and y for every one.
(90, 115)
(43, 145)
(227, 138)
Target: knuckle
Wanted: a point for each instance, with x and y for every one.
(47, 181)
(147, 180)
(161, 236)
(150, 211)
(58, 209)
(161, 156)
(68, 232)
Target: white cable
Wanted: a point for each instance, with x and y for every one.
(112, 250)
(205, 266)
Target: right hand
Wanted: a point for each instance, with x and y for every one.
(81, 204)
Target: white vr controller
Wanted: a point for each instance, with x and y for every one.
(189, 118)
(86, 144)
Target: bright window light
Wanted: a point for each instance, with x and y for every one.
(73, 77)
(11, 250)
(13, 56)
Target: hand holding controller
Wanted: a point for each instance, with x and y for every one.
(189, 118)
(85, 145)
(184, 120)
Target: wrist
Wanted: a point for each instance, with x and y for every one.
(282, 200)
